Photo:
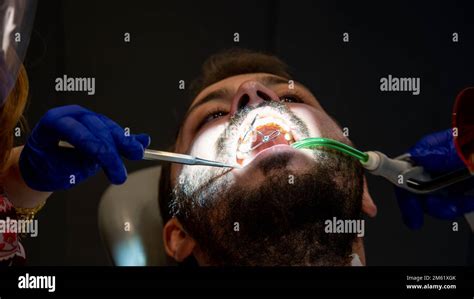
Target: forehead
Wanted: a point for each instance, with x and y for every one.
(233, 83)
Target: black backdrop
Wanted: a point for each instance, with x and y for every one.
(137, 85)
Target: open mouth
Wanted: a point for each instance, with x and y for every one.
(264, 132)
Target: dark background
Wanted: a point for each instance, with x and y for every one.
(137, 86)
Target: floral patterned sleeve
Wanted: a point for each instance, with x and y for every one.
(11, 250)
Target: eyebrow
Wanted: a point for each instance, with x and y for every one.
(225, 92)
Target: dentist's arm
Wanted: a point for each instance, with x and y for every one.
(19, 193)
(43, 167)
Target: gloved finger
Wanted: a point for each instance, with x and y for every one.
(63, 111)
(441, 207)
(464, 203)
(74, 132)
(131, 152)
(97, 128)
(128, 146)
(44, 134)
(410, 208)
(437, 153)
(100, 131)
(144, 139)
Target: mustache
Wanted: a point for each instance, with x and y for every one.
(242, 114)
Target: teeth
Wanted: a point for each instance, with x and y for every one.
(244, 147)
(241, 155)
(262, 121)
(250, 136)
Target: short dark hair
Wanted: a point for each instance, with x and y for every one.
(231, 62)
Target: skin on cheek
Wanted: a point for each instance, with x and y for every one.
(319, 123)
(204, 144)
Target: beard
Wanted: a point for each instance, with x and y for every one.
(280, 222)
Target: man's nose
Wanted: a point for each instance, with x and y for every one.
(251, 94)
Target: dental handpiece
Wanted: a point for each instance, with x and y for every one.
(400, 171)
(155, 155)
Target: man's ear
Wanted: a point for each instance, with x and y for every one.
(178, 243)
(368, 205)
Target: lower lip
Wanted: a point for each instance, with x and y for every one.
(279, 148)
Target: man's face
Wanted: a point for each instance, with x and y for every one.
(211, 112)
(270, 210)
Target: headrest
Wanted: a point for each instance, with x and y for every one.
(130, 223)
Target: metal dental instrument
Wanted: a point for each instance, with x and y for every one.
(266, 138)
(154, 155)
(183, 159)
(250, 127)
(271, 136)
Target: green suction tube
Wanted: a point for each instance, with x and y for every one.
(330, 143)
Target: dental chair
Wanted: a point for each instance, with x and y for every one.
(130, 224)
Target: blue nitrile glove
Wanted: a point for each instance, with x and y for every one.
(99, 143)
(437, 154)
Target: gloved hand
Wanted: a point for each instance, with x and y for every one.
(437, 154)
(99, 143)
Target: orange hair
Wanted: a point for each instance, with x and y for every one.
(10, 115)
